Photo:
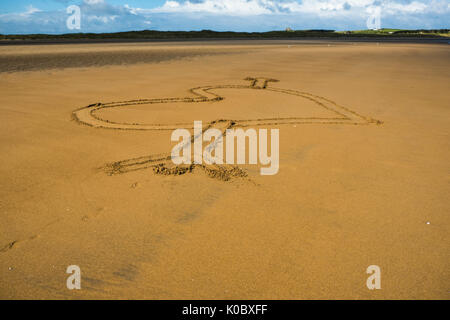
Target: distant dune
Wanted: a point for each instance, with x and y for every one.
(152, 35)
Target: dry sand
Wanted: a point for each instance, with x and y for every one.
(347, 195)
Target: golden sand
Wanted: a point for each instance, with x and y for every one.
(363, 179)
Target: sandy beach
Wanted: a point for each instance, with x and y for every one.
(363, 176)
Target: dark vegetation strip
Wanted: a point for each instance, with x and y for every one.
(209, 34)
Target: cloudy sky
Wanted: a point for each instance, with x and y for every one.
(50, 16)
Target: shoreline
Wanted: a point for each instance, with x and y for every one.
(433, 40)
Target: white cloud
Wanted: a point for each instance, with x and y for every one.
(30, 10)
(258, 7)
(234, 15)
(231, 7)
(412, 7)
(104, 19)
(92, 2)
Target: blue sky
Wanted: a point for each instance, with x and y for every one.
(49, 16)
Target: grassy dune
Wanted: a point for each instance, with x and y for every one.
(209, 34)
